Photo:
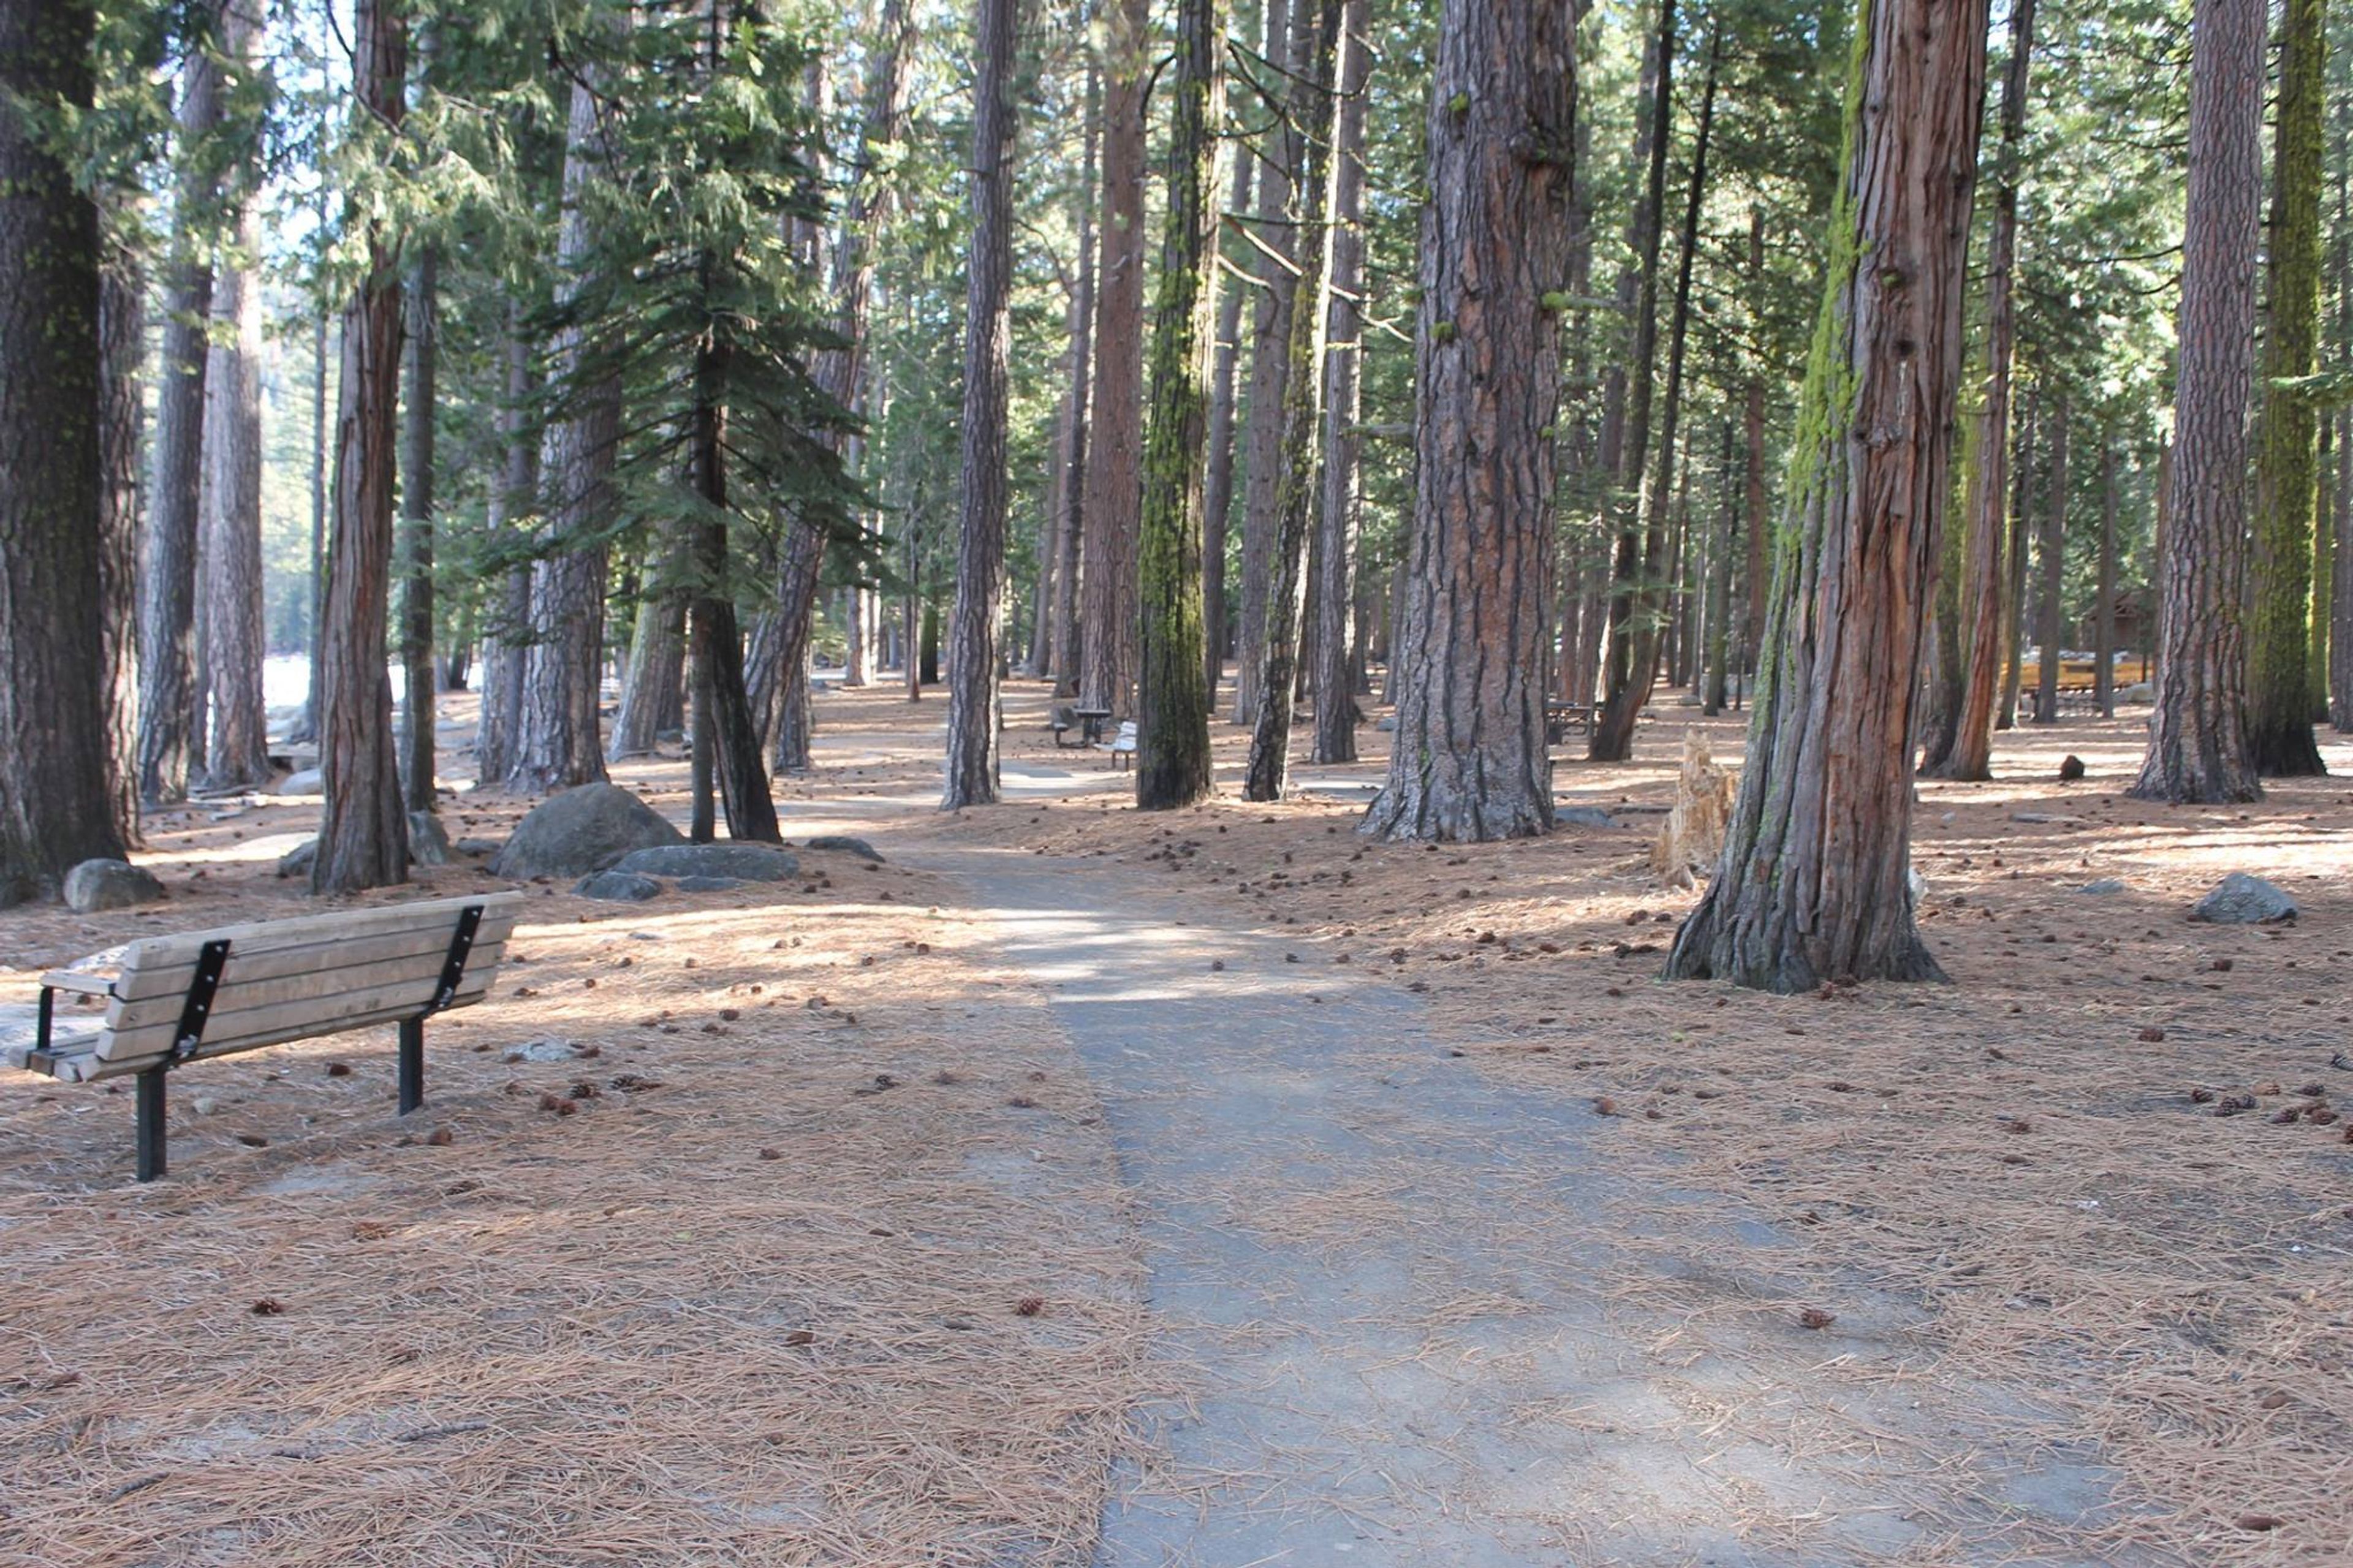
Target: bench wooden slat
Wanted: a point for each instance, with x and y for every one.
(247, 965)
(240, 997)
(269, 1030)
(302, 931)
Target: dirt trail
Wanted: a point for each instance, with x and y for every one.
(1400, 1324)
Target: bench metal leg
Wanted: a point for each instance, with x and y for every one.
(150, 1123)
(412, 1064)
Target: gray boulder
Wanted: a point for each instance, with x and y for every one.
(2103, 885)
(296, 861)
(2243, 901)
(96, 885)
(428, 841)
(843, 843)
(619, 886)
(744, 862)
(309, 781)
(1583, 817)
(585, 828)
(708, 884)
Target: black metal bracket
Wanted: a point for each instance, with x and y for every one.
(197, 1009)
(49, 1015)
(453, 966)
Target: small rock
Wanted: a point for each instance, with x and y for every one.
(428, 841)
(309, 781)
(296, 861)
(2103, 885)
(619, 886)
(2243, 901)
(1915, 883)
(583, 829)
(1388, 724)
(96, 885)
(2071, 769)
(542, 1051)
(478, 846)
(843, 843)
(743, 862)
(1583, 817)
(204, 1105)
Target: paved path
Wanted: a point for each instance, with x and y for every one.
(1403, 1323)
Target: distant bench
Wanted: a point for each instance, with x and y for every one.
(172, 1000)
(1560, 718)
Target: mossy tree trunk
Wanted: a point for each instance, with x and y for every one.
(1172, 757)
(973, 712)
(2198, 744)
(1976, 644)
(1309, 117)
(1813, 886)
(362, 833)
(123, 347)
(2287, 489)
(1114, 487)
(1469, 761)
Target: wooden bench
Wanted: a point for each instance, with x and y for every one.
(172, 1000)
(1064, 719)
(1560, 718)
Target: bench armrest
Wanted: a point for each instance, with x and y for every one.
(77, 983)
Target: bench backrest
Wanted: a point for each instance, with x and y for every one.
(292, 979)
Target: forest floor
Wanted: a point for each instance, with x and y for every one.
(1417, 1218)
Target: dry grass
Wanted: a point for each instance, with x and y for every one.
(750, 1257)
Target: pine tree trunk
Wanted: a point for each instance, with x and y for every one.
(564, 677)
(1719, 590)
(419, 707)
(306, 728)
(1757, 572)
(1310, 116)
(54, 735)
(2336, 524)
(1470, 760)
(237, 753)
(362, 834)
(122, 344)
(1337, 516)
(1218, 505)
(2051, 556)
(2198, 745)
(1812, 887)
(506, 647)
(2013, 596)
(168, 710)
(1172, 755)
(2104, 614)
(652, 678)
(1116, 428)
(1632, 647)
(1069, 633)
(1981, 642)
(726, 741)
(972, 713)
(1274, 246)
(2286, 490)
